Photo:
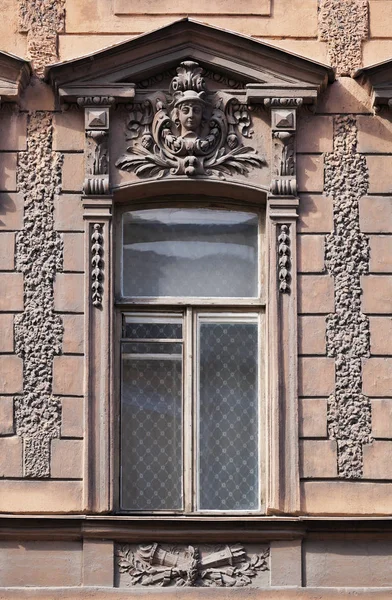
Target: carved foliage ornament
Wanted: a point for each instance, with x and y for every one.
(97, 265)
(189, 132)
(228, 566)
(284, 258)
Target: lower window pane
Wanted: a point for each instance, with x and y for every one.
(151, 426)
(228, 416)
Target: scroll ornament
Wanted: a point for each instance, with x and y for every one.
(229, 566)
(189, 132)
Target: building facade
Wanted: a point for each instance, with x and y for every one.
(195, 307)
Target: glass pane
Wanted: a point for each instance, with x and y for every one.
(149, 328)
(190, 252)
(151, 426)
(228, 416)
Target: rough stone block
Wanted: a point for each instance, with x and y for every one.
(6, 415)
(377, 460)
(11, 369)
(315, 214)
(382, 417)
(68, 213)
(377, 377)
(11, 286)
(374, 133)
(310, 173)
(318, 459)
(13, 129)
(8, 171)
(314, 134)
(68, 374)
(11, 457)
(377, 294)
(68, 129)
(380, 254)
(73, 252)
(98, 556)
(316, 376)
(375, 214)
(346, 498)
(312, 417)
(72, 417)
(73, 338)
(73, 172)
(381, 335)
(379, 168)
(345, 95)
(66, 459)
(69, 292)
(311, 335)
(286, 563)
(40, 564)
(310, 253)
(11, 211)
(315, 294)
(7, 251)
(6, 332)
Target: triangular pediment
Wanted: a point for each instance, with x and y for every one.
(14, 76)
(380, 78)
(229, 60)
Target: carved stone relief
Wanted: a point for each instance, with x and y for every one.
(344, 25)
(204, 566)
(284, 260)
(189, 131)
(348, 338)
(96, 111)
(97, 265)
(38, 330)
(43, 20)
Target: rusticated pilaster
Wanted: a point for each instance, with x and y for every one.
(343, 24)
(43, 20)
(347, 258)
(38, 330)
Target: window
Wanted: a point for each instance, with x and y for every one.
(191, 361)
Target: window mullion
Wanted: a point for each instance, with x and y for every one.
(188, 412)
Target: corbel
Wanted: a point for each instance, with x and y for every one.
(96, 122)
(283, 133)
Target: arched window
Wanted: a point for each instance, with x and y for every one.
(192, 382)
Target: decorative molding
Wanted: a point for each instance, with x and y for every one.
(283, 131)
(284, 260)
(223, 80)
(96, 119)
(189, 131)
(348, 338)
(343, 24)
(97, 265)
(43, 20)
(38, 330)
(224, 566)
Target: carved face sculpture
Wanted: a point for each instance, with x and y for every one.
(190, 113)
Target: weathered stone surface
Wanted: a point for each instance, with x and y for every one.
(343, 25)
(6, 415)
(379, 168)
(346, 498)
(312, 417)
(377, 294)
(7, 251)
(377, 377)
(311, 335)
(382, 417)
(377, 460)
(316, 376)
(318, 459)
(11, 297)
(381, 336)
(345, 96)
(98, 563)
(43, 20)
(38, 330)
(73, 252)
(310, 173)
(66, 459)
(73, 172)
(380, 254)
(11, 457)
(8, 171)
(35, 496)
(11, 211)
(286, 563)
(72, 417)
(11, 369)
(347, 258)
(68, 213)
(314, 134)
(13, 127)
(69, 292)
(375, 214)
(310, 253)
(374, 133)
(6, 332)
(73, 340)
(315, 214)
(68, 132)
(315, 294)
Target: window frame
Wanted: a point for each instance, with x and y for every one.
(191, 307)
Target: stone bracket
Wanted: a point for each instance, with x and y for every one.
(283, 130)
(96, 123)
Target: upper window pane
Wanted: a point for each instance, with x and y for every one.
(195, 252)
